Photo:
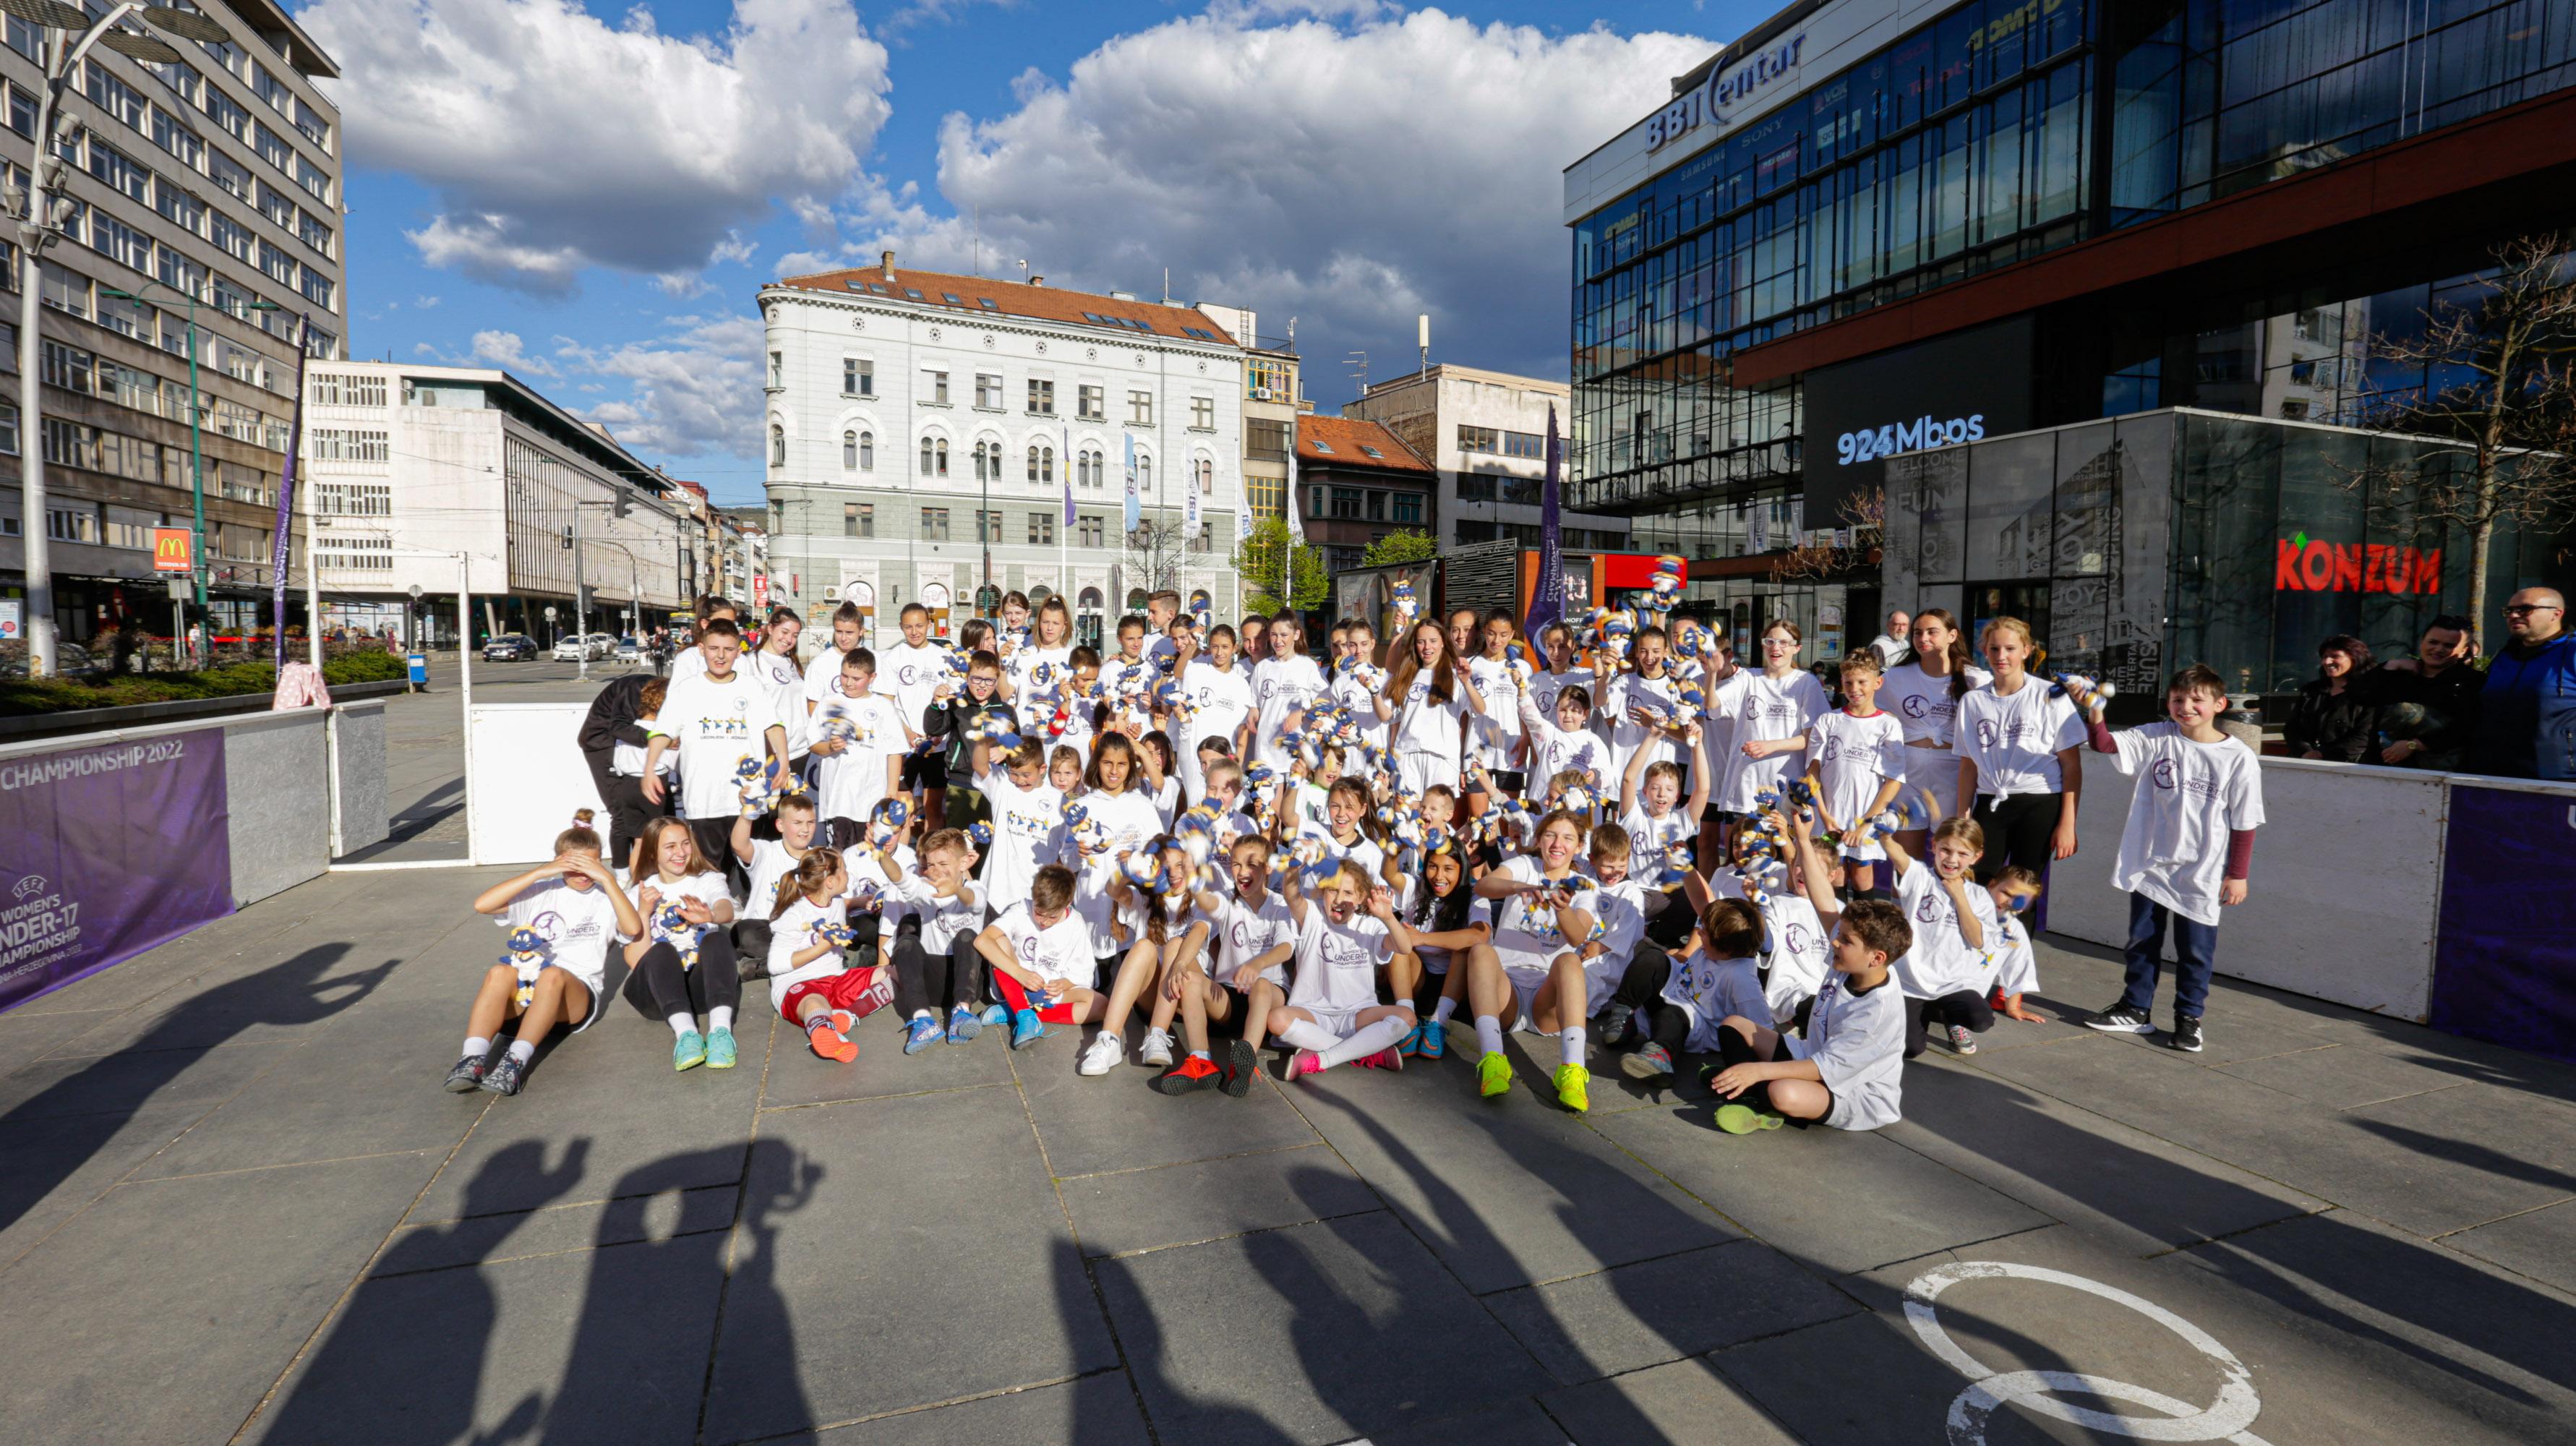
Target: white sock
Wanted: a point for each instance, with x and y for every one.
(1367, 1040)
(1108, 1034)
(682, 1024)
(1441, 1011)
(720, 1018)
(476, 1047)
(921, 1014)
(1152, 1034)
(523, 1050)
(1571, 1041)
(1306, 1034)
(1198, 1054)
(1489, 1033)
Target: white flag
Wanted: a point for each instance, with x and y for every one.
(1189, 508)
(1296, 524)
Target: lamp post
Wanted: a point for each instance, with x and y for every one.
(40, 212)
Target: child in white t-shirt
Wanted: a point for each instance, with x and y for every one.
(1346, 933)
(1039, 951)
(811, 971)
(1943, 975)
(1677, 1007)
(1439, 903)
(1856, 764)
(1565, 742)
(562, 916)
(1532, 968)
(1026, 809)
(1662, 827)
(1252, 935)
(1847, 1068)
(859, 744)
(766, 861)
(2012, 964)
(933, 918)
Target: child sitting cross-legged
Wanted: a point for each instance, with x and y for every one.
(1678, 1008)
(810, 945)
(1344, 936)
(1848, 1066)
(1040, 954)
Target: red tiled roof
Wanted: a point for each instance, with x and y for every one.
(1013, 298)
(1346, 436)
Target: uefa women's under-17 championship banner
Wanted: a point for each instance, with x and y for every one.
(106, 852)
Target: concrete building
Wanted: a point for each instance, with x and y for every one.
(1486, 433)
(215, 178)
(1361, 483)
(413, 465)
(921, 423)
(1273, 398)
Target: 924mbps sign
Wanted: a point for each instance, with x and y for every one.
(2309, 564)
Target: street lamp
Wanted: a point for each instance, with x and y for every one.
(40, 214)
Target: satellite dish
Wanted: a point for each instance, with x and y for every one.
(142, 47)
(51, 13)
(186, 24)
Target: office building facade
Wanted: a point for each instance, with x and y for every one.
(1486, 433)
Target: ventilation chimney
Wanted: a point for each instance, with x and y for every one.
(885, 263)
(1037, 281)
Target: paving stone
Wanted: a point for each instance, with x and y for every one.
(1684, 1403)
(1858, 1381)
(58, 1164)
(1834, 1200)
(582, 1225)
(1516, 1422)
(210, 1328)
(2538, 1243)
(1507, 1192)
(251, 1002)
(896, 1253)
(1097, 1410)
(1284, 1335)
(798, 1077)
(1662, 1310)
(2340, 1076)
(2075, 1165)
(1130, 1210)
(25, 1034)
(1117, 1122)
(118, 1084)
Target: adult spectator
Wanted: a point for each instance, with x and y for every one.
(2332, 717)
(616, 717)
(1892, 646)
(2527, 711)
(2428, 704)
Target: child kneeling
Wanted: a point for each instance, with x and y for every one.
(1847, 1069)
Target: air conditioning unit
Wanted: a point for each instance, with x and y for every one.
(1263, 394)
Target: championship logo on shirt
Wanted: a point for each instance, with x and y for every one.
(904, 676)
(1833, 748)
(1927, 909)
(1797, 937)
(2163, 774)
(1913, 705)
(1987, 737)
(1345, 952)
(1241, 934)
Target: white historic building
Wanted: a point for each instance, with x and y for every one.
(923, 428)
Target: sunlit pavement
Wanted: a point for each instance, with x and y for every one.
(238, 1206)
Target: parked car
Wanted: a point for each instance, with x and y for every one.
(630, 650)
(575, 648)
(510, 648)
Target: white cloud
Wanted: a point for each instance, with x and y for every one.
(1390, 167)
(556, 143)
(694, 391)
(505, 349)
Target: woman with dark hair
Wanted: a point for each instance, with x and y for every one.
(1428, 698)
(2333, 716)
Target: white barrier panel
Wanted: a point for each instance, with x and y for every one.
(527, 777)
(2347, 882)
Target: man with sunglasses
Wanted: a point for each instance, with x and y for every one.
(2527, 715)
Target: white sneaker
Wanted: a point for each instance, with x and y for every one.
(1157, 1051)
(1102, 1055)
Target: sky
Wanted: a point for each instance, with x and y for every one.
(592, 197)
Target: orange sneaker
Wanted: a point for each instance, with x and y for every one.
(830, 1043)
(1194, 1072)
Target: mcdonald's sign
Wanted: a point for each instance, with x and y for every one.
(171, 550)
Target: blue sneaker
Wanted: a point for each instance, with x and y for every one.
(1433, 1043)
(689, 1052)
(921, 1034)
(720, 1049)
(1411, 1043)
(963, 1026)
(993, 1014)
(1025, 1029)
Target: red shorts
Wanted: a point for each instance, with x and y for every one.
(1018, 999)
(861, 991)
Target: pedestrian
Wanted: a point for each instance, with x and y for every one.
(2527, 710)
(2333, 715)
(1896, 643)
(2428, 704)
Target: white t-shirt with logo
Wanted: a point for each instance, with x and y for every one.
(786, 683)
(1652, 841)
(821, 673)
(1858, 1044)
(1941, 961)
(1060, 951)
(1281, 686)
(1352, 692)
(1424, 724)
(1706, 990)
(1498, 728)
(853, 781)
(1922, 703)
(792, 933)
(2014, 738)
(1771, 708)
(2189, 797)
(1855, 757)
(769, 863)
(1219, 701)
(718, 725)
(1525, 930)
(1801, 954)
(577, 926)
(1553, 751)
(1543, 688)
(909, 675)
(943, 916)
(1023, 821)
(1722, 701)
(1035, 696)
(1245, 933)
(709, 888)
(1337, 964)
(1655, 695)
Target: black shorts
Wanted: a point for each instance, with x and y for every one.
(1714, 814)
(924, 771)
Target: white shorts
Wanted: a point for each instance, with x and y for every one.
(1526, 985)
(1935, 771)
(1276, 974)
(1339, 1023)
(1421, 770)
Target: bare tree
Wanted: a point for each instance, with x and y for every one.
(1156, 552)
(1864, 516)
(2497, 396)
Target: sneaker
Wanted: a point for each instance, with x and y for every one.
(1614, 1025)
(1104, 1054)
(963, 1026)
(1574, 1087)
(505, 1075)
(1241, 1059)
(1493, 1074)
(1433, 1044)
(689, 1051)
(1194, 1073)
(1026, 1029)
(994, 1014)
(2121, 1019)
(1387, 1058)
(1648, 1061)
(720, 1049)
(921, 1034)
(830, 1043)
(843, 1021)
(1745, 1119)
(2186, 1034)
(467, 1074)
(1157, 1053)
(1961, 1041)
(1305, 1061)
(1411, 1043)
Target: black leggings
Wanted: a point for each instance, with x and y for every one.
(2019, 830)
(1641, 988)
(628, 813)
(1964, 1007)
(1735, 1049)
(923, 981)
(659, 987)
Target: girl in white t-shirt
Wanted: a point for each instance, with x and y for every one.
(1427, 702)
(1035, 674)
(1771, 723)
(1567, 743)
(1497, 671)
(1856, 764)
(810, 971)
(2019, 757)
(1219, 690)
(562, 916)
(1924, 692)
(1438, 902)
(1945, 975)
(1346, 933)
(1027, 807)
(1282, 685)
(683, 963)
(1533, 971)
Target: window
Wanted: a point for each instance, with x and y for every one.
(1140, 408)
(850, 451)
(934, 387)
(1372, 451)
(72, 521)
(341, 389)
(1203, 413)
(1041, 528)
(1320, 445)
(858, 377)
(9, 428)
(275, 206)
(988, 390)
(1091, 404)
(118, 170)
(1267, 380)
(354, 499)
(1408, 507)
(777, 445)
(356, 554)
(1479, 439)
(318, 289)
(934, 524)
(858, 519)
(934, 456)
(777, 370)
(1041, 463)
(278, 265)
(1207, 475)
(1265, 440)
(988, 526)
(67, 367)
(224, 231)
(339, 444)
(227, 113)
(114, 96)
(1041, 398)
(1145, 475)
(1088, 530)
(181, 209)
(1347, 502)
(1266, 496)
(1525, 444)
(22, 110)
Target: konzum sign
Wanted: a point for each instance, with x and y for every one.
(2312, 564)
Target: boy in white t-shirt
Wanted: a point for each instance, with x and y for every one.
(859, 744)
(933, 919)
(1856, 764)
(1040, 954)
(562, 916)
(1026, 808)
(1847, 1069)
(1678, 1007)
(2196, 786)
(716, 720)
(1661, 827)
(766, 861)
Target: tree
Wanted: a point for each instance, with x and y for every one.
(1262, 559)
(1156, 552)
(1406, 546)
(2496, 395)
(1863, 516)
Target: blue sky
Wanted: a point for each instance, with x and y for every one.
(592, 196)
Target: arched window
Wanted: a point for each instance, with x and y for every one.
(943, 457)
(867, 451)
(925, 457)
(934, 456)
(1046, 465)
(777, 445)
(849, 451)
(1207, 475)
(1033, 461)
(1145, 475)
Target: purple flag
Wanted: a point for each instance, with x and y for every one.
(281, 549)
(1547, 604)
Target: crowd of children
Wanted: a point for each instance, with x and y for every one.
(1610, 835)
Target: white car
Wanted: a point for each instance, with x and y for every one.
(576, 648)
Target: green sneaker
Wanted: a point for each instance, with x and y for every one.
(689, 1052)
(720, 1049)
(1493, 1075)
(1574, 1087)
(1745, 1119)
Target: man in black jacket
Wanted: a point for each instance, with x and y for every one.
(2428, 705)
(613, 719)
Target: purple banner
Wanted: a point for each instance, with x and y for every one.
(282, 547)
(106, 852)
(2505, 969)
